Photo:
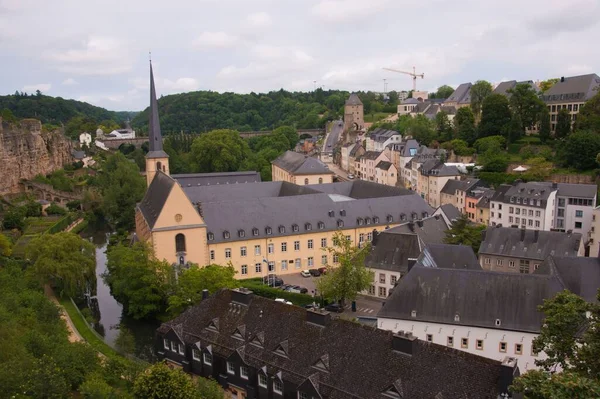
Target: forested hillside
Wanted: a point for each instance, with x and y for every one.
(202, 111)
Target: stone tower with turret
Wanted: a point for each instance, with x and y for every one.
(354, 118)
(156, 159)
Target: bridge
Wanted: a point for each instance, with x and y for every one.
(114, 144)
(46, 192)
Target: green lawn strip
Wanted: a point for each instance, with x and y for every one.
(85, 331)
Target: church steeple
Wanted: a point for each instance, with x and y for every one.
(156, 159)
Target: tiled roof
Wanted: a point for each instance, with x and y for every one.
(434, 167)
(205, 179)
(452, 185)
(451, 212)
(156, 197)
(448, 256)
(528, 244)
(341, 359)
(484, 201)
(155, 136)
(460, 93)
(382, 135)
(431, 230)
(371, 155)
(573, 89)
(577, 190)
(299, 164)
(355, 149)
(410, 148)
(383, 165)
(353, 100)
(580, 274)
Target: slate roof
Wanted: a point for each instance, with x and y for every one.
(410, 144)
(155, 136)
(355, 149)
(484, 201)
(448, 256)
(393, 252)
(580, 274)
(460, 93)
(156, 197)
(410, 101)
(205, 179)
(542, 190)
(371, 155)
(434, 167)
(449, 109)
(78, 154)
(359, 360)
(577, 190)
(234, 207)
(573, 89)
(353, 100)
(528, 244)
(478, 297)
(431, 230)
(452, 185)
(299, 164)
(383, 165)
(382, 135)
(451, 212)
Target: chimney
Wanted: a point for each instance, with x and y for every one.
(554, 185)
(411, 226)
(375, 238)
(536, 235)
(508, 372)
(205, 294)
(320, 317)
(562, 79)
(522, 234)
(420, 223)
(483, 233)
(404, 343)
(241, 295)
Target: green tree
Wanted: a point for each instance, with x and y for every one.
(162, 382)
(578, 355)
(14, 218)
(209, 389)
(493, 143)
(580, 150)
(547, 84)
(463, 232)
(138, 280)
(122, 188)
(526, 104)
(444, 91)
(479, 92)
(219, 151)
(290, 133)
(5, 246)
(64, 259)
(345, 281)
(514, 130)
(125, 341)
(95, 387)
(419, 127)
(545, 131)
(8, 116)
(563, 124)
(589, 115)
(443, 126)
(194, 280)
(495, 115)
(464, 122)
(54, 209)
(33, 209)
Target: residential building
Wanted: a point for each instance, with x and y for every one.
(386, 173)
(403, 152)
(461, 96)
(455, 192)
(354, 118)
(380, 138)
(300, 169)
(570, 93)
(85, 138)
(414, 166)
(433, 176)
(402, 95)
(449, 212)
(394, 251)
(430, 302)
(513, 250)
(483, 207)
(506, 87)
(407, 106)
(472, 198)
(259, 348)
(345, 155)
(594, 234)
(355, 153)
(368, 161)
(121, 134)
(544, 206)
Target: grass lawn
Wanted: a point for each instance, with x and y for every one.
(85, 331)
(375, 117)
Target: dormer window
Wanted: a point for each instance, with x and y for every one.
(281, 229)
(512, 199)
(340, 223)
(390, 218)
(321, 225)
(375, 219)
(268, 231)
(424, 214)
(367, 220)
(518, 200)
(295, 228)
(359, 221)
(226, 235)
(413, 313)
(343, 212)
(402, 217)
(307, 227)
(255, 231)
(241, 233)
(210, 236)
(456, 318)
(331, 214)
(414, 216)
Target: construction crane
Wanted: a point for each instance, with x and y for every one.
(413, 74)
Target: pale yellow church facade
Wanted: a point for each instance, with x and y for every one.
(259, 227)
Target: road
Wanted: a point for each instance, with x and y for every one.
(366, 306)
(339, 172)
(333, 136)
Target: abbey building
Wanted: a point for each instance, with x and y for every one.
(259, 227)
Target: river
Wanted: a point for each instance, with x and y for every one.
(107, 312)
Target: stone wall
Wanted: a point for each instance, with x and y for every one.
(26, 151)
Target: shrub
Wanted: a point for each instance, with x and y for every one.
(269, 292)
(54, 209)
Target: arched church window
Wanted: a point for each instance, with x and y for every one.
(159, 166)
(179, 243)
(320, 180)
(305, 181)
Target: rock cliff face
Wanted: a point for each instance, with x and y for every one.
(26, 150)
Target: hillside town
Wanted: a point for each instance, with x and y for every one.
(328, 241)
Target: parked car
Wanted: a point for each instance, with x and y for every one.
(350, 176)
(305, 273)
(297, 289)
(283, 301)
(334, 307)
(273, 280)
(314, 272)
(322, 270)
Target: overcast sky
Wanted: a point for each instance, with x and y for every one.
(97, 51)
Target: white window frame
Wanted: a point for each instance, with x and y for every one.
(230, 368)
(244, 372)
(296, 245)
(257, 250)
(207, 358)
(271, 248)
(311, 261)
(262, 384)
(323, 242)
(284, 247)
(195, 354)
(310, 244)
(284, 265)
(166, 344)
(243, 251)
(181, 349)
(212, 254)
(227, 253)
(244, 270)
(278, 391)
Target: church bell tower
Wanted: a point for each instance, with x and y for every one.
(156, 159)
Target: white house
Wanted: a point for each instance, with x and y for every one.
(379, 138)
(85, 138)
(485, 313)
(122, 134)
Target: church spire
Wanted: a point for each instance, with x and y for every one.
(155, 138)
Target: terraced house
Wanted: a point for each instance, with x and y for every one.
(257, 348)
